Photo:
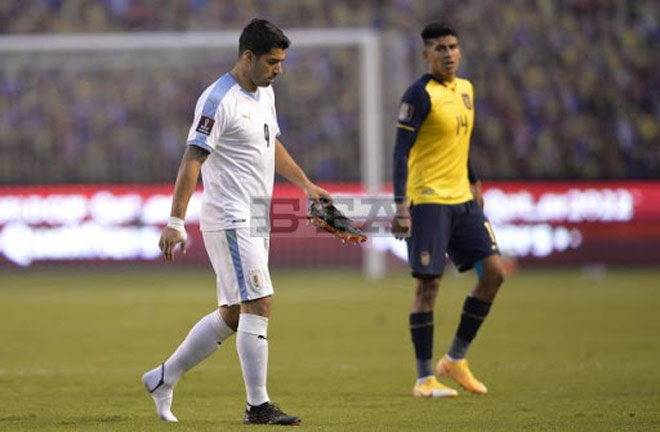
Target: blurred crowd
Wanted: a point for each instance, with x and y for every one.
(563, 89)
(125, 117)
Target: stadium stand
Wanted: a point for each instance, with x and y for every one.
(570, 89)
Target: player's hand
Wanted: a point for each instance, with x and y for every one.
(169, 238)
(401, 223)
(315, 193)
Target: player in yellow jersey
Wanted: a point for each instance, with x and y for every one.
(439, 209)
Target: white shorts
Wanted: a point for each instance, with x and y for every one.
(240, 262)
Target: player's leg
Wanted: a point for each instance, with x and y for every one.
(252, 346)
(491, 273)
(426, 258)
(472, 245)
(421, 323)
(202, 340)
(421, 332)
(250, 266)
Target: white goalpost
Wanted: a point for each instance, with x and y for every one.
(367, 41)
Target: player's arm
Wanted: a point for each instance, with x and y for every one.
(415, 106)
(289, 169)
(401, 225)
(186, 181)
(475, 184)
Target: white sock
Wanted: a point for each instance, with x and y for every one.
(202, 341)
(252, 347)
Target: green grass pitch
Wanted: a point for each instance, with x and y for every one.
(560, 352)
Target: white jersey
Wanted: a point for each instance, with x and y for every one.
(239, 129)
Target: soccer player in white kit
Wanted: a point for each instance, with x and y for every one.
(233, 142)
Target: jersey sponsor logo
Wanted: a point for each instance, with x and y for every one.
(406, 112)
(466, 101)
(205, 125)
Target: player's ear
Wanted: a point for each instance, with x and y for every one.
(248, 56)
(426, 50)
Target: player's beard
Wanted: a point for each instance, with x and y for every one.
(447, 70)
(264, 82)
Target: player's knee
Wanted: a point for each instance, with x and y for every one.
(229, 315)
(490, 283)
(496, 276)
(259, 307)
(425, 294)
(428, 287)
(494, 272)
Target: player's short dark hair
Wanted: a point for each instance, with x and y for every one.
(436, 30)
(260, 36)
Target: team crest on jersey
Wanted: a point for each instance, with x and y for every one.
(425, 258)
(255, 280)
(406, 112)
(466, 101)
(205, 125)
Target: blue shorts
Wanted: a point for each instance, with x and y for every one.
(459, 230)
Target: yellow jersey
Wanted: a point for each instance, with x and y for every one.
(432, 148)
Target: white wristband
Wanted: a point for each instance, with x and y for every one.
(178, 225)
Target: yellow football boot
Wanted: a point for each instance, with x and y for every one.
(431, 387)
(460, 372)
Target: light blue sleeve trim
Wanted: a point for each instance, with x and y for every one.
(220, 89)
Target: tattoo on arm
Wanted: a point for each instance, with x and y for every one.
(178, 209)
(186, 179)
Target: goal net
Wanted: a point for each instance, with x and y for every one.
(116, 108)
